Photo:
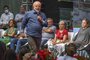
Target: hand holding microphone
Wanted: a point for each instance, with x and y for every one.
(39, 18)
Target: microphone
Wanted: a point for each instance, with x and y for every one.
(39, 17)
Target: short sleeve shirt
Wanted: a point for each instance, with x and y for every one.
(60, 35)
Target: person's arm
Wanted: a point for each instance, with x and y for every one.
(2, 17)
(54, 40)
(65, 37)
(62, 41)
(89, 32)
(50, 30)
(11, 16)
(18, 18)
(21, 36)
(13, 34)
(76, 34)
(6, 34)
(24, 21)
(42, 19)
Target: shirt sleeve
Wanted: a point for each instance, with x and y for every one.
(89, 31)
(2, 17)
(44, 22)
(15, 30)
(11, 16)
(24, 21)
(16, 17)
(57, 33)
(65, 32)
(53, 28)
(6, 32)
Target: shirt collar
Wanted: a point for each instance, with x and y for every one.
(36, 12)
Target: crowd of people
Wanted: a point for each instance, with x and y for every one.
(29, 32)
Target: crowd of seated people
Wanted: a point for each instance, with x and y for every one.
(18, 48)
(61, 37)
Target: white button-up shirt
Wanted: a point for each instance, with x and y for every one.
(5, 18)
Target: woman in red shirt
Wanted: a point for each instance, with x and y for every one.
(61, 34)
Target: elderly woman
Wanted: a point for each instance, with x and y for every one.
(60, 39)
(61, 34)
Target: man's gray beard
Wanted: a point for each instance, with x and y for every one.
(37, 10)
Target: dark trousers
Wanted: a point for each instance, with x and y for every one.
(34, 42)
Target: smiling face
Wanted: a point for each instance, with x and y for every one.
(37, 6)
